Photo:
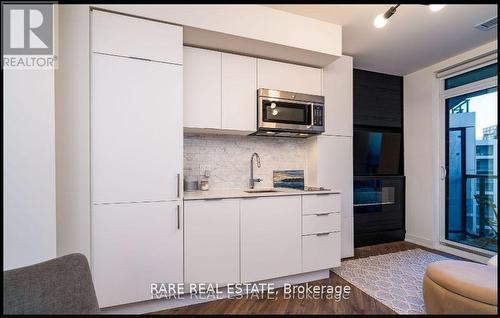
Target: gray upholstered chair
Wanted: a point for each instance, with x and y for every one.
(59, 286)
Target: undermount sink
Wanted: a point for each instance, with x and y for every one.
(261, 190)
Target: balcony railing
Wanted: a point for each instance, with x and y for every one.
(482, 196)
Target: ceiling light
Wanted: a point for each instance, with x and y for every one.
(381, 19)
(436, 7)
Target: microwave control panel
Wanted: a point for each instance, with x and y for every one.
(318, 115)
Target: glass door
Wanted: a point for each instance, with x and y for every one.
(471, 159)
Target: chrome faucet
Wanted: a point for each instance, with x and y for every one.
(252, 179)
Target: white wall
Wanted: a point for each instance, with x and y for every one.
(29, 210)
(421, 129)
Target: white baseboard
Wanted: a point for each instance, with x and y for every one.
(419, 240)
(446, 249)
(154, 305)
(463, 254)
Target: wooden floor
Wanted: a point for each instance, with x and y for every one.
(358, 302)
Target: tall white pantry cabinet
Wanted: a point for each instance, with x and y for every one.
(136, 156)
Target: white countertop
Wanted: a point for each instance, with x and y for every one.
(240, 193)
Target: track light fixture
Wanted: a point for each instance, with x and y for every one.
(381, 19)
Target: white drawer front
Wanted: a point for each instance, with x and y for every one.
(326, 203)
(320, 251)
(320, 223)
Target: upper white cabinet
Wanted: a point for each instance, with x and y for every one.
(202, 88)
(337, 88)
(212, 241)
(122, 35)
(220, 91)
(289, 77)
(270, 238)
(136, 130)
(135, 245)
(239, 92)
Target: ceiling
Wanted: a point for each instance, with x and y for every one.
(414, 37)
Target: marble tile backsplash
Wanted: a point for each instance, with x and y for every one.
(229, 158)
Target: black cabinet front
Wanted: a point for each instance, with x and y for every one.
(378, 99)
(378, 209)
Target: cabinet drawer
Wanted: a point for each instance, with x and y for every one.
(320, 251)
(320, 223)
(314, 204)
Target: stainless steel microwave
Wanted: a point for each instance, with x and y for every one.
(287, 114)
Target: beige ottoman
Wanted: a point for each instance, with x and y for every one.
(459, 287)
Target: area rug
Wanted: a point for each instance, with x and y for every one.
(394, 279)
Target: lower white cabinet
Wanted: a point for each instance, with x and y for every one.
(270, 237)
(320, 223)
(347, 230)
(320, 251)
(135, 245)
(211, 241)
(321, 203)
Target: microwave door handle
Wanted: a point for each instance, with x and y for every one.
(312, 114)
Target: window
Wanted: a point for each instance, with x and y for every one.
(484, 166)
(469, 103)
(471, 76)
(484, 150)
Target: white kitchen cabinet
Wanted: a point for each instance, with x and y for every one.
(212, 241)
(239, 92)
(337, 88)
(289, 77)
(127, 36)
(330, 165)
(321, 203)
(136, 130)
(320, 251)
(135, 245)
(321, 223)
(347, 234)
(270, 237)
(334, 166)
(202, 88)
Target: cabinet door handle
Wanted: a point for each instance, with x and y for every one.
(444, 172)
(321, 214)
(178, 185)
(323, 234)
(178, 217)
